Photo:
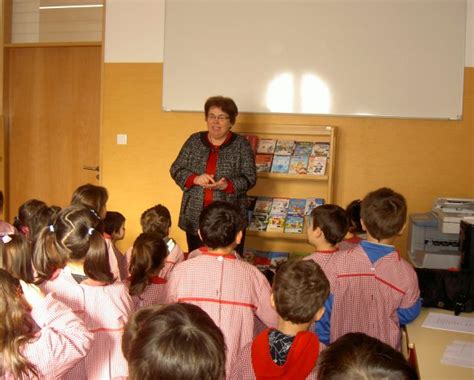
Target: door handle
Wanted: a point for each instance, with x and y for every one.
(93, 168)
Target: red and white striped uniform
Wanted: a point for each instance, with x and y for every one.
(62, 341)
(367, 296)
(105, 310)
(349, 243)
(117, 260)
(154, 293)
(231, 291)
(322, 257)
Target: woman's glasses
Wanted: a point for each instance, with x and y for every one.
(213, 117)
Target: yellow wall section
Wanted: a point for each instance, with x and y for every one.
(422, 159)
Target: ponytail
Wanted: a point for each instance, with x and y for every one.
(47, 256)
(96, 262)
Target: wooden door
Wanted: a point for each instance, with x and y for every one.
(52, 120)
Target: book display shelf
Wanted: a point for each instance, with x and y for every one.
(294, 163)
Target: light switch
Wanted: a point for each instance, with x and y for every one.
(121, 139)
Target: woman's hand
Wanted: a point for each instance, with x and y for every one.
(205, 180)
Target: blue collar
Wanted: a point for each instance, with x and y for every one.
(376, 251)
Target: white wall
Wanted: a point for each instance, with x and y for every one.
(134, 31)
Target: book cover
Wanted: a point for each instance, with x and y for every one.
(253, 141)
(311, 204)
(298, 165)
(303, 148)
(249, 255)
(296, 206)
(263, 205)
(280, 164)
(320, 149)
(276, 259)
(258, 222)
(284, 147)
(317, 165)
(263, 162)
(294, 224)
(279, 206)
(266, 146)
(276, 223)
(262, 260)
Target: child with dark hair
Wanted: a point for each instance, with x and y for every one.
(33, 216)
(327, 226)
(145, 284)
(357, 356)
(290, 351)
(174, 342)
(71, 260)
(233, 292)
(356, 232)
(114, 230)
(40, 337)
(92, 197)
(373, 289)
(16, 257)
(157, 220)
(5, 227)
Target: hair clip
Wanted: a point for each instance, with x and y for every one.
(51, 228)
(6, 239)
(95, 214)
(90, 231)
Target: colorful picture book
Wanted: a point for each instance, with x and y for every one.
(284, 147)
(281, 164)
(263, 205)
(320, 149)
(311, 204)
(253, 141)
(279, 207)
(266, 146)
(317, 165)
(294, 224)
(298, 165)
(303, 148)
(276, 223)
(258, 222)
(269, 260)
(263, 163)
(296, 206)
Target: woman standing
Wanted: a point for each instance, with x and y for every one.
(216, 164)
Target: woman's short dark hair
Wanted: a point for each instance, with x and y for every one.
(227, 105)
(219, 224)
(356, 356)
(157, 220)
(113, 221)
(331, 219)
(174, 342)
(300, 289)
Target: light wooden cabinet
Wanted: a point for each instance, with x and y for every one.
(280, 185)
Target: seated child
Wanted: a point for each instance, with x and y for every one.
(145, 285)
(114, 230)
(5, 227)
(157, 220)
(359, 356)
(355, 233)
(178, 341)
(233, 292)
(289, 351)
(373, 289)
(327, 226)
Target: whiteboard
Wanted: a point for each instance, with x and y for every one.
(385, 58)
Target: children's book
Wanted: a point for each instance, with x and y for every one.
(276, 223)
(262, 260)
(279, 207)
(276, 259)
(320, 149)
(258, 222)
(266, 146)
(294, 224)
(284, 147)
(311, 204)
(263, 162)
(317, 165)
(303, 148)
(296, 206)
(253, 141)
(249, 255)
(281, 164)
(298, 165)
(263, 205)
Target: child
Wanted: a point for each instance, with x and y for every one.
(373, 290)
(233, 292)
(93, 198)
(359, 356)
(5, 227)
(157, 220)
(353, 236)
(300, 289)
(148, 256)
(33, 216)
(327, 226)
(16, 256)
(40, 337)
(178, 341)
(114, 230)
(72, 261)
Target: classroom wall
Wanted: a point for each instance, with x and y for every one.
(423, 159)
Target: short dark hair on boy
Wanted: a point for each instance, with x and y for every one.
(227, 105)
(353, 216)
(300, 289)
(176, 341)
(113, 221)
(219, 224)
(157, 220)
(332, 220)
(357, 356)
(384, 213)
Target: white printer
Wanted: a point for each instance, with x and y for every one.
(450, 211)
